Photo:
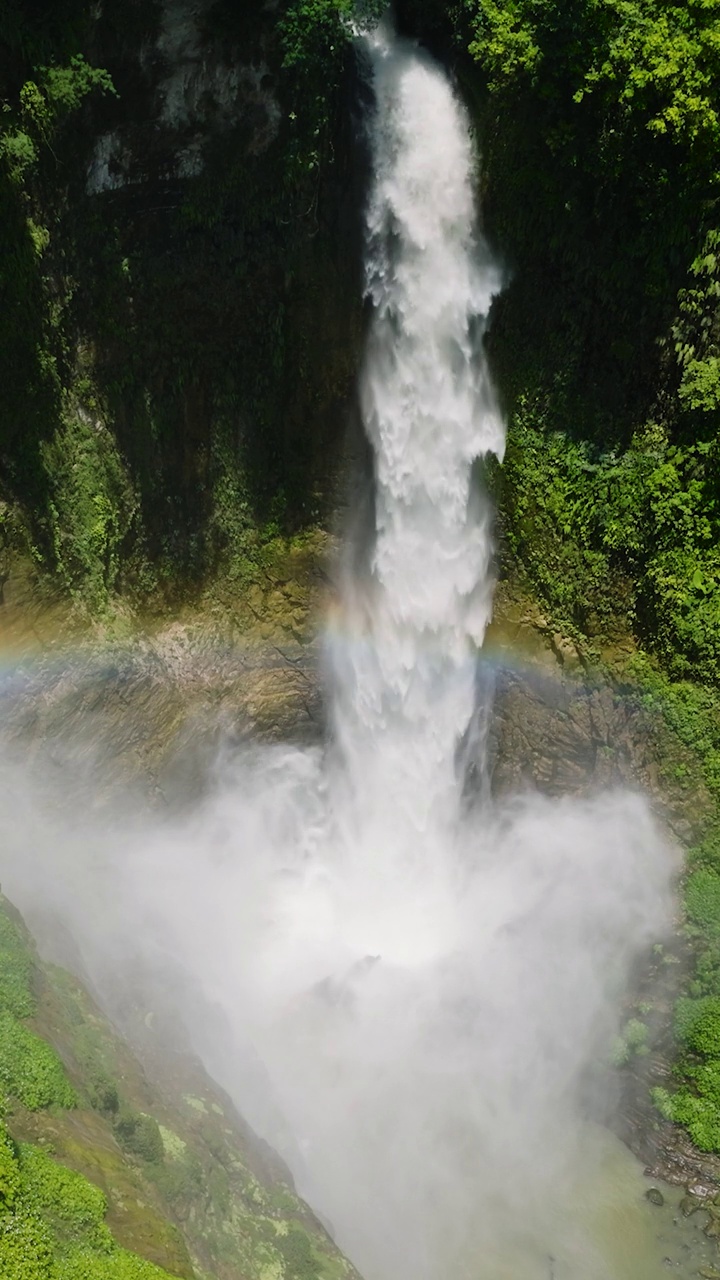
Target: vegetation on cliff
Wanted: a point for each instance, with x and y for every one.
(178, 333)
(600, 124)
(110, 1174)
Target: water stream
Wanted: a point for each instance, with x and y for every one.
(415, 988)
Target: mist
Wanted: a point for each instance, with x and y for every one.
(409, 996)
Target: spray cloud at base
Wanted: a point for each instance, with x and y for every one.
(411, 988)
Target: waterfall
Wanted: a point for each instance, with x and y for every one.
(413, 991)
(404, 696)
(425, 987)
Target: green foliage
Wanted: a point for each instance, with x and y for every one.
(696, 337)
(645, 518)
(697, 1025)
(25, 1249)
(33, 346)
(315, 36)
(632, 1043)
(41, 107)
(65, 88)
(647, 64)
(310, 30)
(140, 1136)
(52, 1223)
(698, 1112)
(600, 127)
(119, 1265)
(103, 1093)
(702, 902)
(314, 31)
(299, 1256)
(30, 1070)
(558, 526)
(19, 152)
(92, 504)
(600, 139)
(70, 1206)
(10, 1181)
(692, 712)
(16, 967)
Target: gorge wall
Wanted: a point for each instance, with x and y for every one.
(182, 316)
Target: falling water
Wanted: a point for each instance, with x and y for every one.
(404, 692)
(414, 990)
(423, 988)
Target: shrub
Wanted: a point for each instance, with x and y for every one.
(702, 901)
(16, 967)
(140, 1135)
(697, 1025)
(30, 1070)
(698, 1112)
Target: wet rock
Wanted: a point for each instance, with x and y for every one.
(689, 1205)
(655, 1196)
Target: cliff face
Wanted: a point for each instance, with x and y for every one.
(184, 296)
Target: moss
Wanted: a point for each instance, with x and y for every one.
(173, 1146)
(197, 1104)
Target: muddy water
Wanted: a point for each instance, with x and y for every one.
(602, 1227)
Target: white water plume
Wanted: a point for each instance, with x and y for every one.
(404, 691)
(422, 986)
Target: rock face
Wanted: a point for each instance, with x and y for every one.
(151, 705)
(201, 276)
(564, 726)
